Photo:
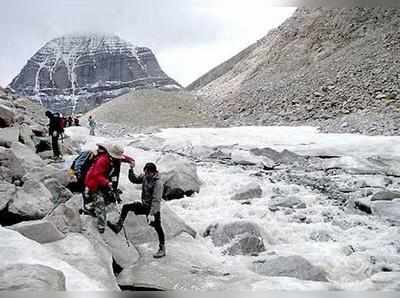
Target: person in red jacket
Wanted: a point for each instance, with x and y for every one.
(98, 182)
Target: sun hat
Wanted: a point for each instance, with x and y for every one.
(115, 151)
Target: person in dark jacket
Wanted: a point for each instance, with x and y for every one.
(98, 183)
(55, 131)
(152, 189)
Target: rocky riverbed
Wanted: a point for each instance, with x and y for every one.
(259, 208)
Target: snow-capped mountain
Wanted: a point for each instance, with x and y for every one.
(75, 73)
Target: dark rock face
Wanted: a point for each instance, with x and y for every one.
(76, 73)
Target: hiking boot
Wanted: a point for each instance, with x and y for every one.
(160, 253)
(116, 228)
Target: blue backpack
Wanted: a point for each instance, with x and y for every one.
(81, 164)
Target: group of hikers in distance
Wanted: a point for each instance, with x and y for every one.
(95, 174)
(57, 124)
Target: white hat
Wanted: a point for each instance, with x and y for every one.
(115, 151)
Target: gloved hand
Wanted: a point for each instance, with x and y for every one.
(150, 219)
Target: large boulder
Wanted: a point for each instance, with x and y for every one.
(41, 231)
(189, 265)
(26, 136)
(49, 171)
(27, 157)
(291, 266)
(10, 166)
(31, 277)
(33, 201)
(139, 231)
(66, 219)
(17, 249)
(7, 193)
(240, 237)
(179, 177)
(249, 191)
(94, 260)
(7, 116)
(59, 192)
(122, 250)
(9, 135)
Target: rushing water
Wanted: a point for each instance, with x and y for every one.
(350, 246)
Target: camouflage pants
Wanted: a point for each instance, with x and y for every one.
(99, 207)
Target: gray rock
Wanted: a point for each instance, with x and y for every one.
(38, 230)
(180, 270)
(386, 195)
(33, 201)
(267, 152)
(242, 237)
(59, 193)
(178, 176)
(7, 116)
(291, 266)
(94, 68)
(93, 259)
(7, 193)
(26, 136)
(321, 236)
(287, 202)
(140, 232)
(31, 277)
(49, 171)
(10, 166)
(66, 219)
(27, 157)
(9, 134)
(387, 209)
(124, 253)
(250, 191)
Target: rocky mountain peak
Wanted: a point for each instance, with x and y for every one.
(75, 73)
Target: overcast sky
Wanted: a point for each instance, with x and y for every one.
(189, 37)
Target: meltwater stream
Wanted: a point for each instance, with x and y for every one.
(350, 246)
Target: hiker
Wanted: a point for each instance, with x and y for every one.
(69, 121)
(98, 182)
(152, 189)
(55, 131)
(76, 121)
(92, 125)
(80, 167)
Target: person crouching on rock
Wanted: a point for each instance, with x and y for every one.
(97, 180)
(152, 189)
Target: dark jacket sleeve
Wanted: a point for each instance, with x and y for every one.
(157, 196)
(133, 178)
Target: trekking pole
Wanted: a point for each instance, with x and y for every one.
(120, 212)
(126, 237)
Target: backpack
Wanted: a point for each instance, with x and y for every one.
(59, 123)
(81, 165)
